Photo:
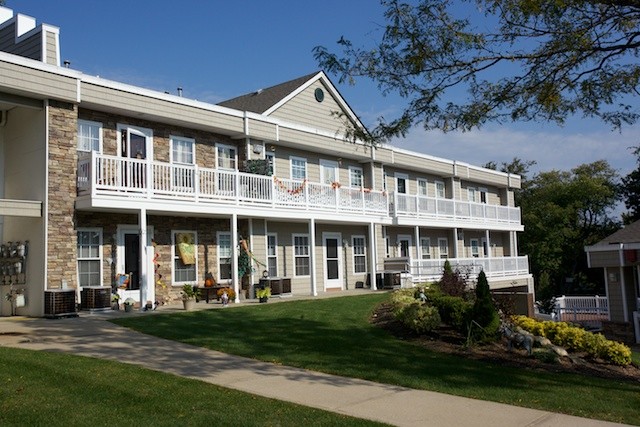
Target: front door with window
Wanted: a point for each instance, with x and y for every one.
(128, 260)
(134, 143)
(404, 246)
(332, 260)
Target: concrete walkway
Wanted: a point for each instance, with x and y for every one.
(93, 336)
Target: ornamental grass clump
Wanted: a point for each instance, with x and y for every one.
(577, 339)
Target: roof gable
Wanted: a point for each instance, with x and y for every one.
(295, 101)
(628, 234)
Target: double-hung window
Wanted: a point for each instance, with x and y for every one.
(359, 254)
(89, 136)
(472, 194)
(227, 156)
(89, 256)
(440, 191)
(425, 248)
(224, 255)
(301, 254)
(422, 187)
(298, 168)
(185, 256)
(443, 247)
(272, 254)
(183, 157)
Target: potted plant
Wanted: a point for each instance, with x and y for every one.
(263, 293)
(128, 305)
(189, 295)
(115, 302)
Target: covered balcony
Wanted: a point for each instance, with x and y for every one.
(412, 206)
(113, 176)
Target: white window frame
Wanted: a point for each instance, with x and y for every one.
(222, 147)
(443, 242)
(273, 256)
(356, 172)
(293, 159)
(360, 252)
(180, 139)
(471, 194)
(80, 259)
(297, 255)
(92, 124)
(175, 256)
(219, 236)
(441, 189)
(425, 242)
(474, 248)
(135, 130)
(422, 185)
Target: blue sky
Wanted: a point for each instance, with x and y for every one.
(216, 50)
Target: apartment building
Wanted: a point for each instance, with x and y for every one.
(106, 180)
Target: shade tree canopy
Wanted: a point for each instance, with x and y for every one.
(461, 64)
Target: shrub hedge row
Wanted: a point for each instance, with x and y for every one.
(577, 339)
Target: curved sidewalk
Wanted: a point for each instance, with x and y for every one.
(94, 336)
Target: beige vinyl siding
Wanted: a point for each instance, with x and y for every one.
(159, 109)
(413, 162)
(304, 109)
(261, 130)
(605, 258)
(286, 263)
(259, 246)
(25, 80)
(614, 294)
(52, 48)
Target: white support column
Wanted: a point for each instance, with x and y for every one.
(312, 257)
(514, 243)
(373, 257)
(455, 243)
(488, 239)
(234, 255)
(417, 240)
(144, 274)
(252, 276)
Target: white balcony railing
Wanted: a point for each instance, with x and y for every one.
(426, 270)
(124, 177)
(438, 208)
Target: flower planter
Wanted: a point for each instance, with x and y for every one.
(189, 304)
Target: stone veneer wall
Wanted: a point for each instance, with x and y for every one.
(163, 226)
(62, 161)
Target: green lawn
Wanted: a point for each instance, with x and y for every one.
(334, 335)
(49, 389)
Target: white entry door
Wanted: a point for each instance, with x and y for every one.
(332, 260)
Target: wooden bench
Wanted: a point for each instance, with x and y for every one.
(208, 293)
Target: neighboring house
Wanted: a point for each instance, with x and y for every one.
(104, 178)
(619, 256)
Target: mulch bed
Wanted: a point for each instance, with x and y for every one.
(447, 340)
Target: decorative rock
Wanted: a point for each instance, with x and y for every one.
(542, 341)
(559, 351)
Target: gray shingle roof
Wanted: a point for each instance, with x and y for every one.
(263, 99)
(629, 234)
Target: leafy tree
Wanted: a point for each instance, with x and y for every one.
(562, 212)
(630, 189)
(542, 60)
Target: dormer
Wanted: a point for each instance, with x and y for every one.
(19, 35)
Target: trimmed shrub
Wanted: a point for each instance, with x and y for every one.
(484, 312)
(452, 282)
(575, 338)
(454, 311)
(419, 318)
